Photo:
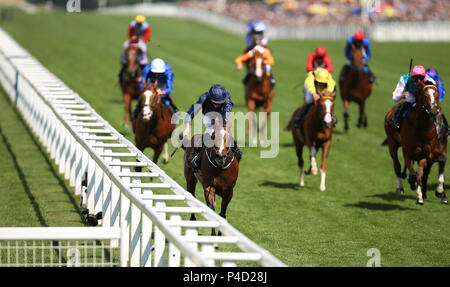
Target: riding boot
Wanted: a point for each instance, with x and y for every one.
(371, 75)
(237, 152)
(138, 108)
(299, 118)
(342, 74)
(396, 120)
(194, 157)
(121, 74)
(272, 81)
(446, 127)
(245, 80)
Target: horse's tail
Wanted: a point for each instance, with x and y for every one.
(384, 142)
(290, 125)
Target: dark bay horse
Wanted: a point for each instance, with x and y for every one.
(419, 138)
(315, 132)
(219, 169)
(258, 92)
(152, 126)
(129, 82)
(356, 87)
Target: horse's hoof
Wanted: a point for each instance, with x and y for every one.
(400, 190)
(165, 160)
(216, 246)
(301, 184)
(314, 171)
(419, 201)
(444, 200)
(126, 125)
(322, 188)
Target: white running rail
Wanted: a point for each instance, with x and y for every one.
(89, 150)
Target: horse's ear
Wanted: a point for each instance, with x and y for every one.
(229, 123)
(155, 84)
(217, 122)
(333, 94)
(437, 83)
(144, 83)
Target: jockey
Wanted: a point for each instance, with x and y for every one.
(160, 71)
(357, 40)
(315, 82)
(434, 75)
(142, 53)
(319, 60)
(268, 61)
(217, 100)
(255, 29)
(407, 89)
(140, 28)
(441, 90)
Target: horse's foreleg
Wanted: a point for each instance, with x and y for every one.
(362, 121)
(393, 150)
(252, 122)
(210, 193)
(313, 152)
(346, 116)
(223, 209)
(440, 192)
(420, 172)
(323, 167)
(299, 152)
(191, 182)
(127, 108)
(157, 153)
(165, 157)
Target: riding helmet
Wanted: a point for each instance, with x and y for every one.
(140, 18)
(157, 66)
(322, 76)
(359, 35)
(218, 94)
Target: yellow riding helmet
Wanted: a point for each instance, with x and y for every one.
(322, 76)
(140, 18)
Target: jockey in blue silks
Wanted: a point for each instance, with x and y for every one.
(357, 40)
(160, 71)
(432, 73)
(216, 100)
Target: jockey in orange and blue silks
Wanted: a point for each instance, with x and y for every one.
(357, 40)
(160, 71)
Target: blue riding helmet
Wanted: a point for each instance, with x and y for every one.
(432, 73)
(218, 94)
(258, 26)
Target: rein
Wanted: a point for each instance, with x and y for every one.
(211, 162)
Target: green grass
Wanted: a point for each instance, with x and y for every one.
(302, 227)
(32, 192)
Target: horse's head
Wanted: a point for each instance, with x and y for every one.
(428, 100)
(222, 142)
(132, 54)
(149, 99)
(257, 63)
(357, 54)
(326, 107)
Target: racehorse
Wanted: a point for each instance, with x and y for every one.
(152, 126)
(129, 82)
(219, 169)
(421, 140)
(258, 92)
(356, 87)
(315, 132)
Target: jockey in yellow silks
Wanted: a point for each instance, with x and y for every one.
(315, 82)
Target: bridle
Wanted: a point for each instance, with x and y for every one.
(147, 105)
(216, 164)
(322, 115)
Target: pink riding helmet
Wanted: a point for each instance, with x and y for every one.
(419, 71)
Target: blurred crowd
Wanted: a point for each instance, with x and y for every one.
(300, 12)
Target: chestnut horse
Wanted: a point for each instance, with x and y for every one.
(129, 83)
(258, 92)
(152, 126)
(315, 132)
(219, 169)
(356, 87)
(420, 141)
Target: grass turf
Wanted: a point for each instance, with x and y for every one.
(301, 226)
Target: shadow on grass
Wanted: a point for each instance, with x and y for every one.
(392, 196)
(284, 185)
(377, 206)
(433, 186)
